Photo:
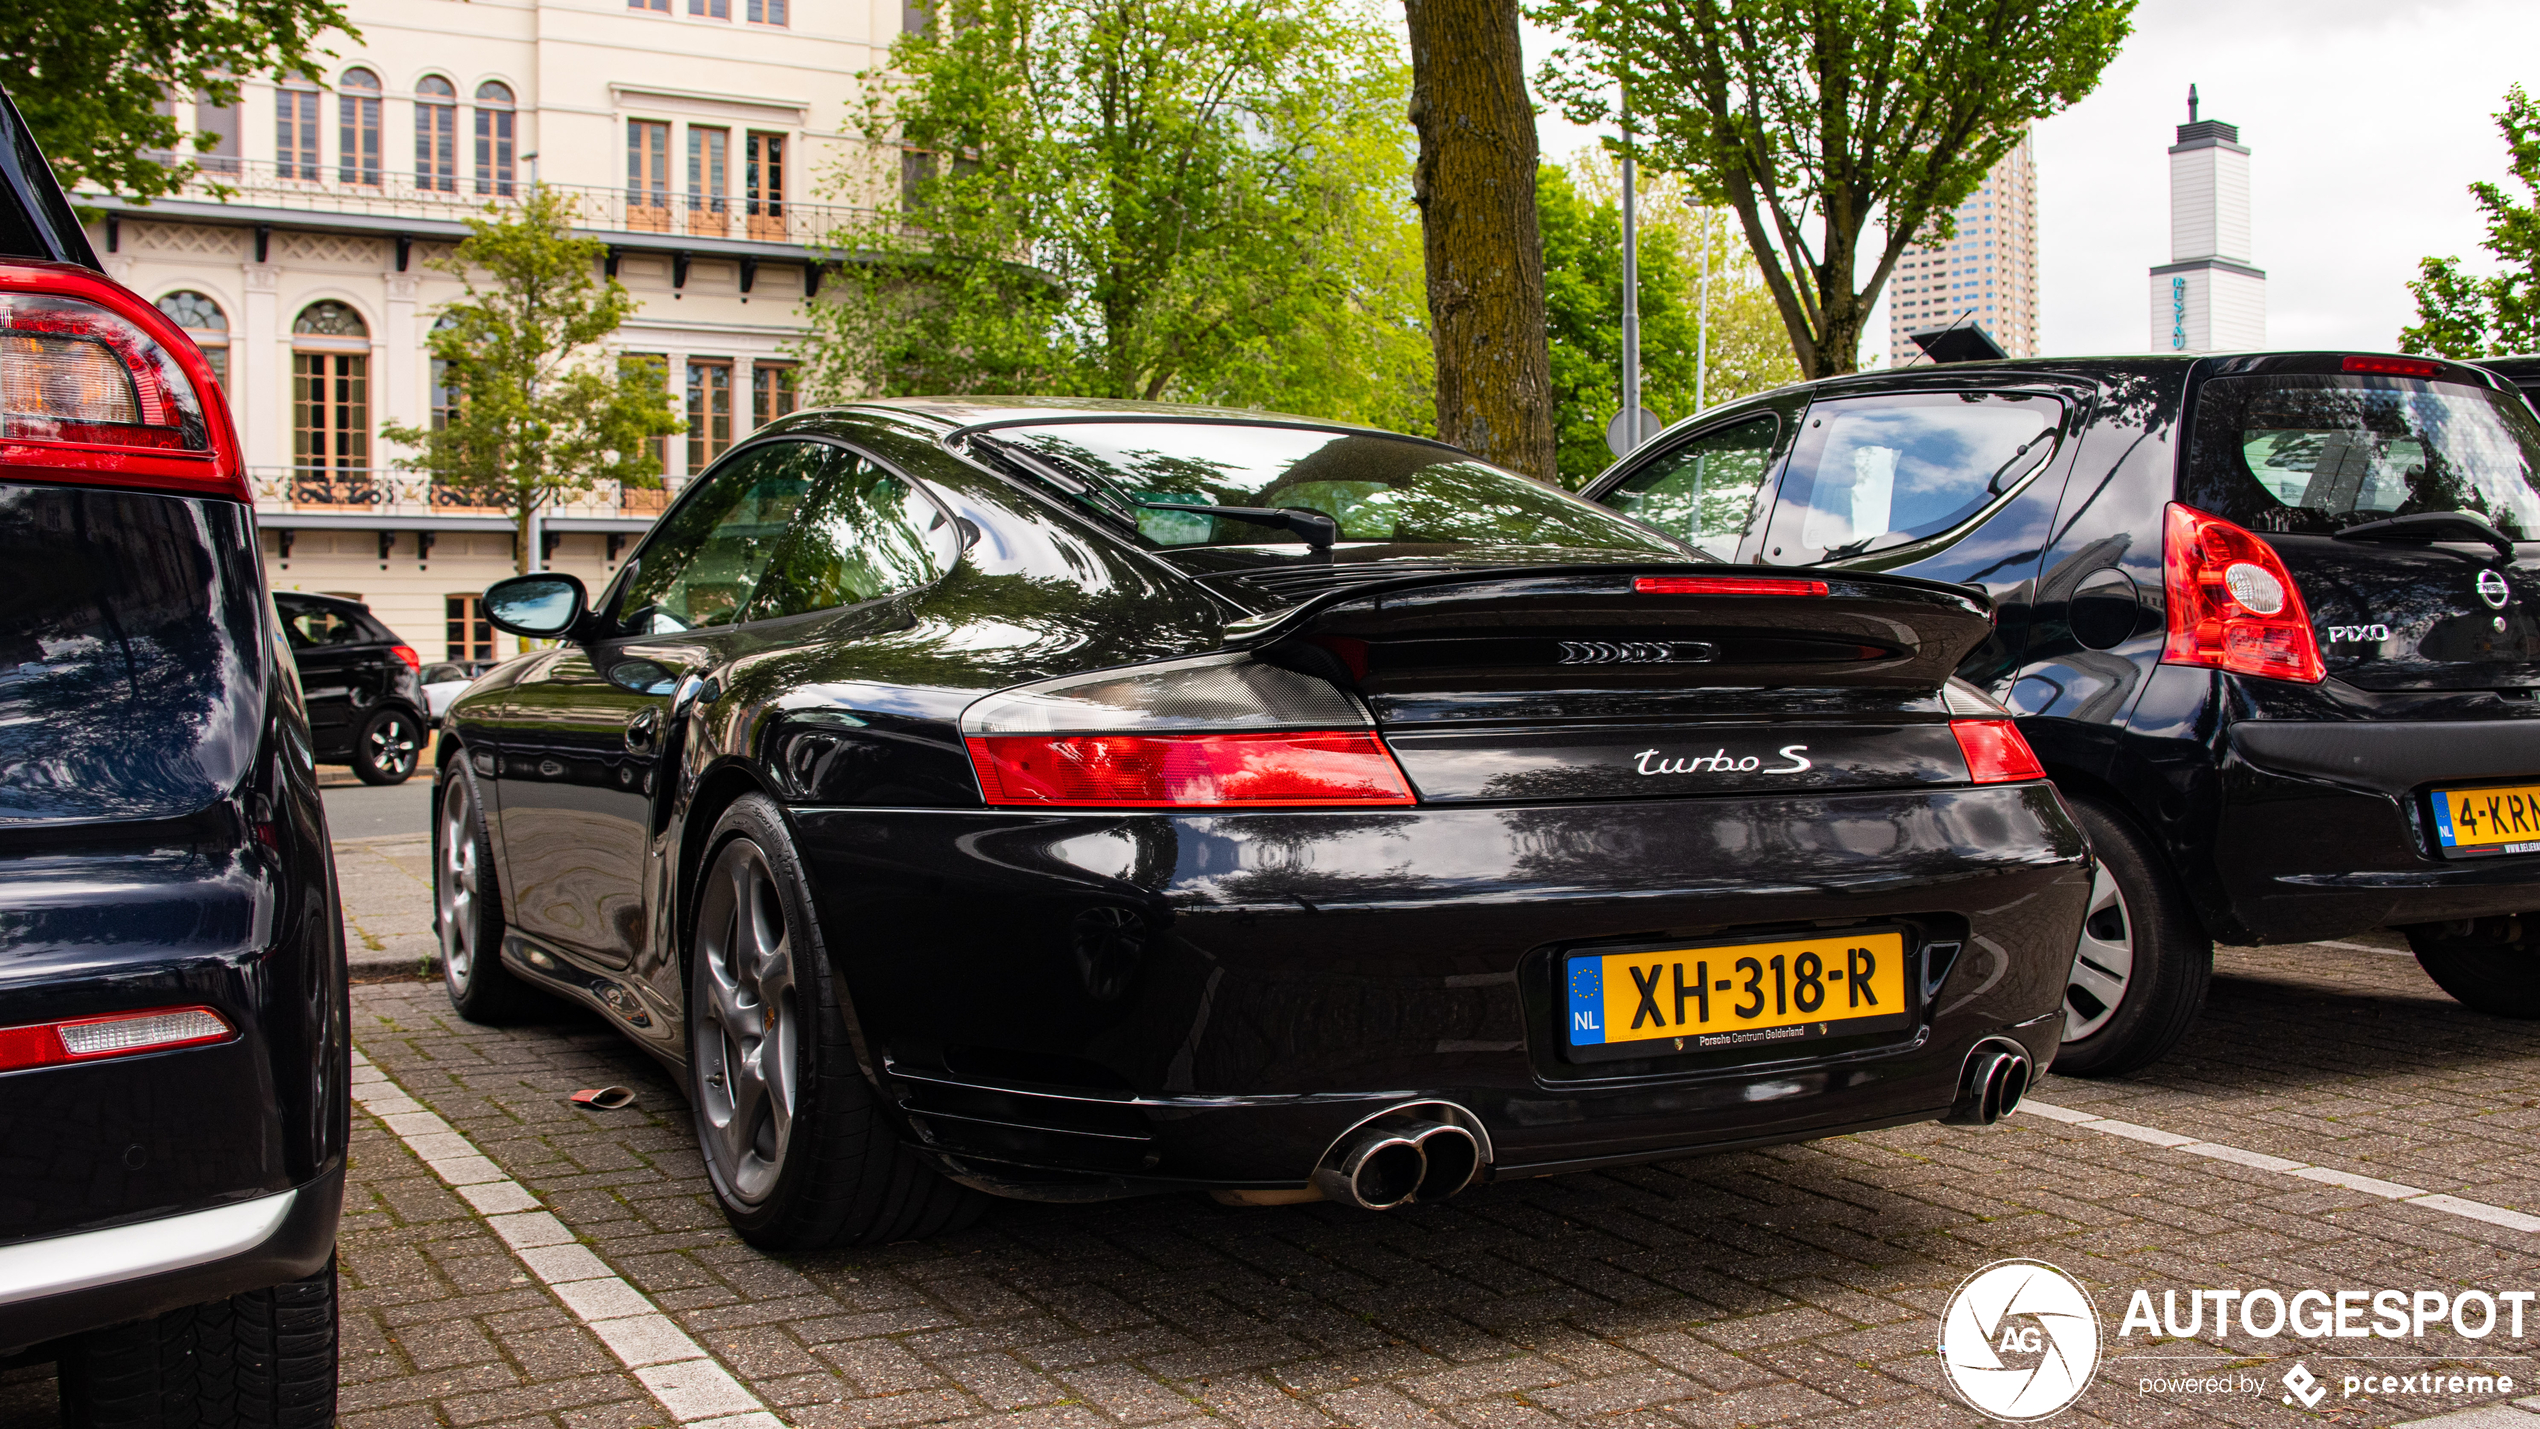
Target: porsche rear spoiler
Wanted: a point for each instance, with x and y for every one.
(1645, 626)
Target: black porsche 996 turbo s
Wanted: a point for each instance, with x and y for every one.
(1067, 800)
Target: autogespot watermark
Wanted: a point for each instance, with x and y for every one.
(2021, 1340)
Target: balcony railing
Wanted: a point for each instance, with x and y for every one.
(388, 495)
(390, 196)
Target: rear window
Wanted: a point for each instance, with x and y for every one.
(1379, 488)
(130, 677)
(2313, 455)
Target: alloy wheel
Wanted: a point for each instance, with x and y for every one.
(455, 886)
(746, 1023)
(2103, 961)
(393, 746)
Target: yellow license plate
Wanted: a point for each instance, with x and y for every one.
(1715, 996)
(2504, 819)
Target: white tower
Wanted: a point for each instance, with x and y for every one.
(2208, 297)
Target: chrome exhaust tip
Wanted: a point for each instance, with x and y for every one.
(1381, 1171)
(1990, 1085)
(1453, 1158)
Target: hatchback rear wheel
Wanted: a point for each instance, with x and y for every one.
(796, 1145)
(2489, 965)
(2142, 962)
(385, 751)
(261, 1360)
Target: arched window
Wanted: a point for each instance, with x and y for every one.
(330, 394)
(436, 135)
(357, 111)
(204, 322)
(494, 138)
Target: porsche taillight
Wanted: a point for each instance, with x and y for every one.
(2232, 604)
(1216, 732)
(97, 387)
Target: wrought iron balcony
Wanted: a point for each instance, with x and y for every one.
(387, 495)
(391, 197)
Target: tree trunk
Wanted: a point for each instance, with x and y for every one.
(1475, 185)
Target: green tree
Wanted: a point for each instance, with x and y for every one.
(1839, 112)
(545, 412)
(1582, 223)
(2465, 315)
(1199, 200)
(90, 75)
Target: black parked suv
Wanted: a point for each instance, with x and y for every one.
(362, 684)
(174, 1070)
(2267, 619)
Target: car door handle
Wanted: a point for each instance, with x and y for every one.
(641, 732)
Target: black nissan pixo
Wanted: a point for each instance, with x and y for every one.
(2268, 620)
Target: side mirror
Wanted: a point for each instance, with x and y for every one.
(544, 606)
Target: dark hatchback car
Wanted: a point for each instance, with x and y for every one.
(2268, 621)
(173, 1050)
(1071, 800)
(363, 686)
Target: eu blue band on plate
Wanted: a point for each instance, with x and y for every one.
(2443, 821)
(1587, 1001)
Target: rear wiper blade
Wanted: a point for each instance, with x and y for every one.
(2432, 526)
(1316, 529)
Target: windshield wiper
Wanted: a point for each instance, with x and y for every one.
(2433, 526)
(1317, 530)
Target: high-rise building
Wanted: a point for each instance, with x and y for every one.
(2209, 297)
(685, 135)
(1987, 274)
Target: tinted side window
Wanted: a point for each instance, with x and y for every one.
(704, 561)
(310, 625)
(1873, 472)
(863, 533)
(1703, 492)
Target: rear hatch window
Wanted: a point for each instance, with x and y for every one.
(2305, 457)
(130, 673)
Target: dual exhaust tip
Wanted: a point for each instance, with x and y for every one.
(1394, 1166)
(1990, 1085)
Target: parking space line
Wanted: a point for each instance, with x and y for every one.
(2258, 1160)
(696, 1389)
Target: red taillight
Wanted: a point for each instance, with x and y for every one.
(1188, 771)
(2394, 366)
(97, 387)
(407, 654)
(2232, 604)
(1996, 751)
(1725, 585)
(90, 1039)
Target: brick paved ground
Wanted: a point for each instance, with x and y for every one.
(1795, 1285)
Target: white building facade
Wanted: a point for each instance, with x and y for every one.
(1986, 275)
(2210, 296)
(688, 135)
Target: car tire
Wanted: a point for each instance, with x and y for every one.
(797, 1147)
(261, 1360)
(2142, 963)
(2491, 965)
(467, 910)
(387, 746)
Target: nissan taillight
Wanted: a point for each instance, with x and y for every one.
(124, 1034)
(1215, 732)
(2232, 604)
(98, 387)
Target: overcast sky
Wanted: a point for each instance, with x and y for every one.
(2367, 120)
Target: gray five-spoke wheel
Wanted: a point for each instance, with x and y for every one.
(458, 880)
(746, 1022)
(2103, 961)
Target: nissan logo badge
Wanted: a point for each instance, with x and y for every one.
(2493, 590)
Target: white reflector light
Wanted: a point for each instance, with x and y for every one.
(140, 1034)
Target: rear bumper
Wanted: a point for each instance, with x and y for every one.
(1089, 1005)
(64, 1285)
(2323, 827)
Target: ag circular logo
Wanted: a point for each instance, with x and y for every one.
(2493, 590)
(2019, 1340)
